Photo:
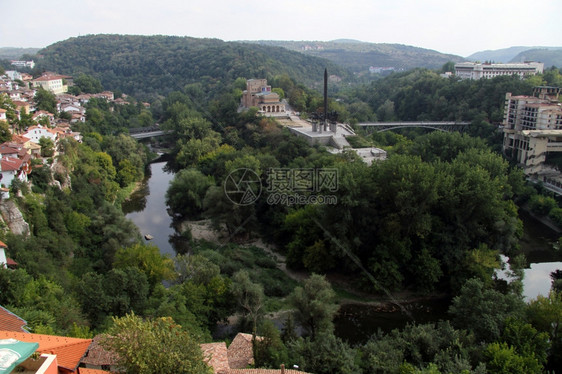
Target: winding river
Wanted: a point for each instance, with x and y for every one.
(147, 209)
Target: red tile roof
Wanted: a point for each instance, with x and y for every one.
(7, 150)
(19, 139)
(69, 351)
(10, 164)
(46, 78)
(3, 245)
(215, 355)
(9, 321)
(241, 351)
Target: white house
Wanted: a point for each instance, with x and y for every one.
(34, 133)
(12, 168)
(3, 259)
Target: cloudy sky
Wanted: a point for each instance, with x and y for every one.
(459, 27)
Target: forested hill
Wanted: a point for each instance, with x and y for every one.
(550, 57)
(359, 56)
(10, 53)
(146, 65)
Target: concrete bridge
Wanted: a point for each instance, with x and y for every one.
(434, 125)
(146, 132)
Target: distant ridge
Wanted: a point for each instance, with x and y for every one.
(550, 57)
(504, 55)
(358, 56)
(12, 53)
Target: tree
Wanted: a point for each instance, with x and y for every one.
(154, 346)
(249, 295)
(484, 310)
(5, 133)
(46, 100)
(47, 147)
(187, 191)
(325, 355)
(147, 259)
(195, 268)
(269, 352)
(545, 314)
(314, 305)
(501, 358)
(88, 84)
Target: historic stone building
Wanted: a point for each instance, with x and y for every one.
(259, 94)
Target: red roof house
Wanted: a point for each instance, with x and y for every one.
(10, 322)
(69, 351)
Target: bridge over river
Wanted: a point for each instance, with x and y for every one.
(146, 132)
(434, 125)
(152, 131)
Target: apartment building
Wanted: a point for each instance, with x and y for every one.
(532, 129)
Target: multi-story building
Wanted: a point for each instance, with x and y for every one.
(474, 70)
(23, 64)
(259, 94)
(532, 129)
(53, 83)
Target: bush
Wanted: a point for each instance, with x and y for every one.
(541, 204)
(555, 214)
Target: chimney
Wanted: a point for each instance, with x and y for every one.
(282, 368)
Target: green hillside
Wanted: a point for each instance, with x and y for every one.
(503, 55)
(148, 65)
(550, 57)
(359, 56)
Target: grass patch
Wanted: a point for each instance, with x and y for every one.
(359, 141)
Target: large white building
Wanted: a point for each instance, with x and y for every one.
(53, 83)
(475, 70)
(23, 64)
(532, 129)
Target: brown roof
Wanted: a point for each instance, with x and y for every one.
(69, 351)
(10, 322)
(10, 164)
(49, 77)
(215, 354)
(19, 138)
(5, 149)
(241, 351)
(98, 356)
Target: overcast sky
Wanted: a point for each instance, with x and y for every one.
(460, 27)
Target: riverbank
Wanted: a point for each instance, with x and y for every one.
(546, 221)
(343, 285)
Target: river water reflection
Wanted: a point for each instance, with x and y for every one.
(147, 208)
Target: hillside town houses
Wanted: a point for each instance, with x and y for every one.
(18, 91)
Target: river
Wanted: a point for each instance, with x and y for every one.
(147, 209)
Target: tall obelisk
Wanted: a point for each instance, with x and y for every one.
(325, 124)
